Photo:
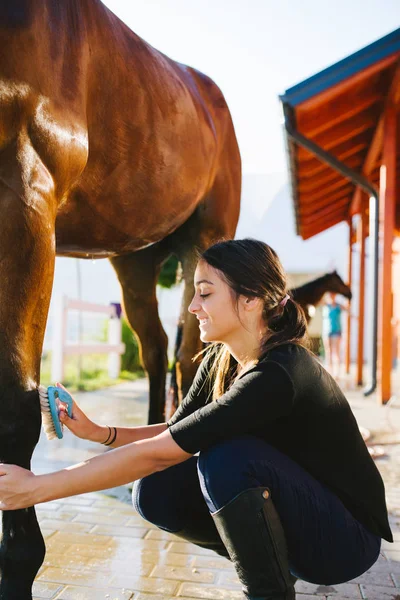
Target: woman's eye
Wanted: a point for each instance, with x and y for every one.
(204, 295)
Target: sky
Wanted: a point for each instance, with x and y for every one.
(254, 50)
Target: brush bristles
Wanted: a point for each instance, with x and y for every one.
(47, 420)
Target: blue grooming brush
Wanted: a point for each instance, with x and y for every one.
(50, 399)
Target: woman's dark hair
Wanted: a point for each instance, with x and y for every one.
(252, 268)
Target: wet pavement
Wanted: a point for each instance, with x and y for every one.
(98, 547)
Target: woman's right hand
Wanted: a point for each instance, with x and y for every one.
(79, 424)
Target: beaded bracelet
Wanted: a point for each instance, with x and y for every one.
(108, 443)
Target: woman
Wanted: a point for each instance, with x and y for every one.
(332, 314)
(283, 483)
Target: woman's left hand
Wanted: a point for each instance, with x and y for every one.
(17, 487)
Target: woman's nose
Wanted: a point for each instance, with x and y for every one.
(193, 306)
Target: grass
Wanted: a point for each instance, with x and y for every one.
(93, 376)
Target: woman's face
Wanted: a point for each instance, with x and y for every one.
(214, 306)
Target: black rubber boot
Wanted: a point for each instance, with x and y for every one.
(252, 533)
(203, 533)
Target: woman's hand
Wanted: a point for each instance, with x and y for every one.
(17, 487)
(79, 424)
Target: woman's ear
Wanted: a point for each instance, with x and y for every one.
(250, 303)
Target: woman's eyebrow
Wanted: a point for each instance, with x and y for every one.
(203, 281)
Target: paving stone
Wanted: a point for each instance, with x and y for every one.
(78, 501)
(63, 515)
(348, 590)
(374, 577)
(56, 547)
(172, 559)
(132, 532)
(103, 518)
(187, 548)
(143, 584)
(52, 506)
(137, 520)
(105, 501)
(393, 555)
(65, 537)
(133, 568)
(158, 534)
(59, 575)
(80, 593)
(127, 557)
(184, 574)
(229, 578)
(65, 561)
(152, 597)
(211, 562)
(373, 592)
(45, 590)
(59, 525)
(109, 563)
(208, 593)
(48, 533)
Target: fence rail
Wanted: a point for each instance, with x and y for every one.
(60, 347)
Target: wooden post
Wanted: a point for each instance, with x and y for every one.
(387, 229)
(114, 339)
(349, 280)
(361, 237)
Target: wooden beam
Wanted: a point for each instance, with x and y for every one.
(338, 187)
(330, 210)
(355, 204)
(387, 228)
(336, 111)
(361, 237)
(349, 282)
(310, 185)
(307, 209)
(307, 232)
(375, 147)
(346, 85)
(323, 169)
(312, 166)
(393, 97)
(343, 132)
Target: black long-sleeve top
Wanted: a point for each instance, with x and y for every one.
(289, 400)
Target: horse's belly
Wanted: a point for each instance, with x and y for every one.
(85, 228)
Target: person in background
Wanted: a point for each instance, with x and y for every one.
(262, 462)
(332, 333)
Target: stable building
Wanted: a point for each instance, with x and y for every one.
(342, 130)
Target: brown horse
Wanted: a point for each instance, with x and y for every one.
(311, 293)
(108, 149)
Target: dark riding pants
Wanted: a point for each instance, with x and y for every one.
(326, 544)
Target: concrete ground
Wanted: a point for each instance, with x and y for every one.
(98, 547)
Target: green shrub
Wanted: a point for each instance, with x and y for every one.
(169, 274)
(130, 359)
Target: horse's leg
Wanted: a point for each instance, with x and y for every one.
(190, 343)
(138, 273)
(173, 392)
(27, 251)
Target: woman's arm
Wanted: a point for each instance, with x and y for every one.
(125, 435)
(83, 427)
(20, 488)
